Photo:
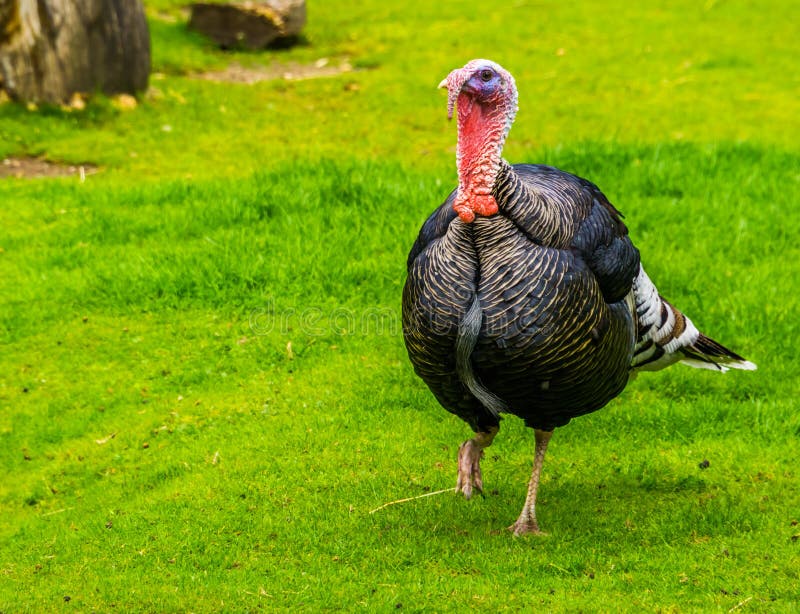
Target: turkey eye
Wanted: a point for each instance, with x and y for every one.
(486, 75)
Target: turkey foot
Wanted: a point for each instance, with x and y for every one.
(526, 524)
(469, 462)
(469, 468)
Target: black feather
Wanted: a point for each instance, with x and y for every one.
(551, 271)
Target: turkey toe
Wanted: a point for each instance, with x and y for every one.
(469, 468)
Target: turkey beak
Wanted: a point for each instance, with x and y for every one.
(454, 82)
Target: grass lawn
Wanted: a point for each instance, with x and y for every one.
(203, 386)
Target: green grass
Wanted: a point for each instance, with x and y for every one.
(203, 387)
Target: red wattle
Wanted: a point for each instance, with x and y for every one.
(464, 212)
(484, 204)
(481, 131)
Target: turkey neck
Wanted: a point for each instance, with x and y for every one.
(482, 131)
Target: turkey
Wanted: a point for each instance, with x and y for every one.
(525, 294)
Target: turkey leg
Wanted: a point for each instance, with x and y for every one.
(526, 523)
(469, 461)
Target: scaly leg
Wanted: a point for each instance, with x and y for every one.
(469, 461)
(526, 523)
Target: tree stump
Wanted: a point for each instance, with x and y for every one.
(253, 25)
(52, 49)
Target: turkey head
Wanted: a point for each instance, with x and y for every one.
(486, 97)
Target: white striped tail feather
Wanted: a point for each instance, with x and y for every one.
(667, 336)
(709, 354)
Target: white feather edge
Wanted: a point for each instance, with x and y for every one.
(721, 364)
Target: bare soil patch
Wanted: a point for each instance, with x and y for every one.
(39, 168)
(292, 71)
